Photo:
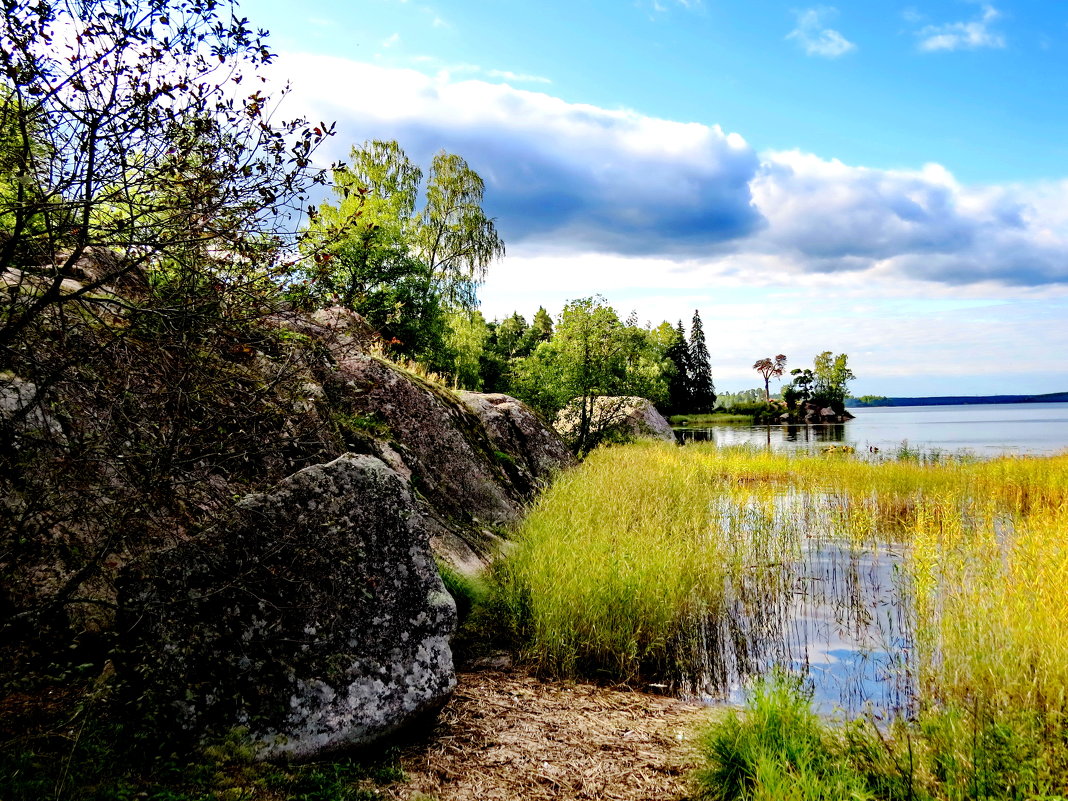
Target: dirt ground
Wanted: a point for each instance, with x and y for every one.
(506, 736)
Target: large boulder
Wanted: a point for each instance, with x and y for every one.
(315, 617)
(626, 417)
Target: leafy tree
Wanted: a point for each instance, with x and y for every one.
(395, 254)
(832, 377)
(768, 369)
(702, 389)
(511, 340)
(542, 325)
(592, 354)
(799, 390)
(116, 115)
(148, 207)
(465, 341)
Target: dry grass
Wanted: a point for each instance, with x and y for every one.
(506, 736)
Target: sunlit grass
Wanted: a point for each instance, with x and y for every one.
(619, 564)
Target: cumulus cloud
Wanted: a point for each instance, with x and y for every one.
(569, 179)
(517, 77)
(815, 37)
(566, 175)
(970, 35)
(922, 223)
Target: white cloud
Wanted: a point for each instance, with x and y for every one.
(568, 179)
(815, 37)
(391, 40)
(970, 35)
(516, 77)
(567, 176)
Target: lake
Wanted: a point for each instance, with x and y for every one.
(980, 429)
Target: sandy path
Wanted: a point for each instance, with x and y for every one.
(507, 736)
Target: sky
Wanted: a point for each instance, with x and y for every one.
(883, 179)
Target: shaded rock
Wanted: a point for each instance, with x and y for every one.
(21, 407)
(315, 616)
(625, 416)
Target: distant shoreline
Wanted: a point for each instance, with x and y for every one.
(955, 400)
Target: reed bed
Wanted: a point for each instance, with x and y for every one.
(648, 561)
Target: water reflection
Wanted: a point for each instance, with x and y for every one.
(769, 435)
(835, 613)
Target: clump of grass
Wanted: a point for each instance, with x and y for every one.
(612, 562)
(777, 749)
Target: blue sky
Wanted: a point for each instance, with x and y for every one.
(885, 179)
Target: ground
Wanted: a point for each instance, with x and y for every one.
(506, 736)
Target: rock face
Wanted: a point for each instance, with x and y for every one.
(626, 416)
(315, 617)
(477, 461)
(529, 451)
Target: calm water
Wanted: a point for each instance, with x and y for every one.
(983, 430)
(834, 613)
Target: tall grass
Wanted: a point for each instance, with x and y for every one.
(648, 556)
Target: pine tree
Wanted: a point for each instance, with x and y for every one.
(679, 401)
(542, 325)
(702, 390)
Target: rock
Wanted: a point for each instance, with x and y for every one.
(314, 617)
(628, 416)
(477, 461)
(530, 452)
(19, 404)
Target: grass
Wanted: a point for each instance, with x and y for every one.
(705, 420)
(779, 749)
(648, 556)
(99, 759)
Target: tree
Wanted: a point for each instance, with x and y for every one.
(439, 254)
(832, 376)
(702, 389)
(768, 369)
(148, 204)
(680, 384)
(591, 355)
(466, 340)
(511, 336)
(126, 127)
(799, 390)
(542, 326)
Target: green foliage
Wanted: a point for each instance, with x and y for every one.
(591, 354)
(96, 758)
(831, 375)
(465, 340)
(468, 591)
(407, 270)
(702, 394)
(870, 400)
(779, 749)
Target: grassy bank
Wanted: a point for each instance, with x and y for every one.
(623, 563)
(706, 420)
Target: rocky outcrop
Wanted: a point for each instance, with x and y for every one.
(315, 616)
(625, 417)
(528, 450)
(814, 413)
(474, 474)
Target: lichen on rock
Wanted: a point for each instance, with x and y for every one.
(314, 617)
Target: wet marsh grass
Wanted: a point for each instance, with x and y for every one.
(637, 562)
